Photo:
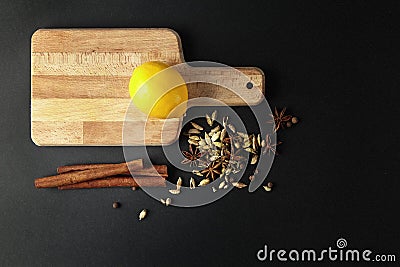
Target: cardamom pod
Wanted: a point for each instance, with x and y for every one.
(218, 144)
(192, 183)
(254, 143)
(194, 137)
(142, 214)
(207, 138)
(198, 173)
(267, 188)
(204, 182)
(215, 136)
(175, 191)
(193, 131)
(232, 128)
(209, 121)
(168, 201)
(254, 159)
(179, 183)
(225, 121)
(223, 134)
(214, 115)
(195, 125)
(249, 149)
(193, 142)
(239, 184)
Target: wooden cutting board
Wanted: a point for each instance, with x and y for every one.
(79, 86)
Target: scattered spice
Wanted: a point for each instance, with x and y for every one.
(166, 202)
(142, 214)
(175, 191)
(116, 205)
(239, 184)
(178, 187)
(295, 120)
(269, 146)
(211, 119)
(279, 118)
(198, 173)
(192, 183)
(204, 182)
(254, 159)
(267, 188)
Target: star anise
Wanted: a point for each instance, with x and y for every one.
(191, 157)
(269, 147)
(212, 170)
(280, 119)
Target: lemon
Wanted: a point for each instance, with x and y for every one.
(158, 90)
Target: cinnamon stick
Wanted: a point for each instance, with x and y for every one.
(74, 177)
(118, 181)
(161, 169)
(134, 164)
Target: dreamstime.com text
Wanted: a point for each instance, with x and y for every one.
(338, 253)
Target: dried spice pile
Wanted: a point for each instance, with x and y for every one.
(223, 151)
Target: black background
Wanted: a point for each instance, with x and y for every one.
(335, 64)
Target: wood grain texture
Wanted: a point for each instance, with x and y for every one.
(138, 132)
(71, 87)
(77, 109)
(57, 133)
(79, 85)
(141, 40)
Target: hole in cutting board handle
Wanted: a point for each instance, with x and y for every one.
(249, 85)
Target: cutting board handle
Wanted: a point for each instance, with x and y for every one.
(232, 86)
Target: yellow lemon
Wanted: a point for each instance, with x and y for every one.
(158, 90)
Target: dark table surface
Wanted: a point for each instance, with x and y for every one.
(335, 64)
